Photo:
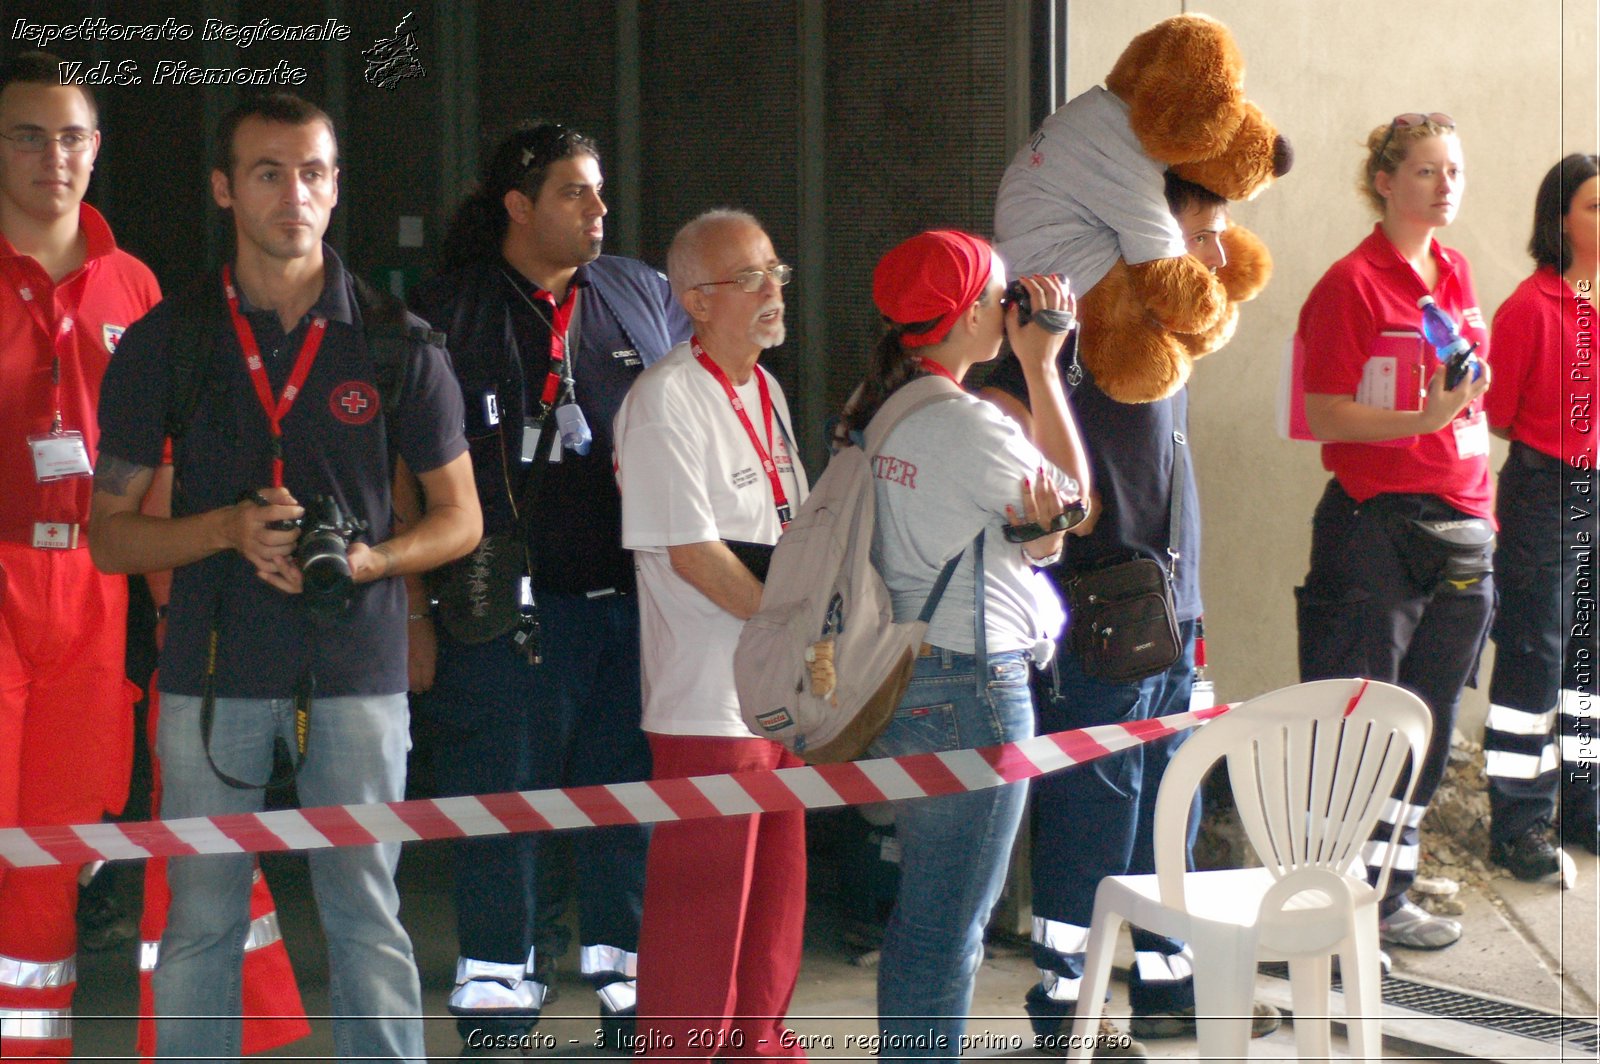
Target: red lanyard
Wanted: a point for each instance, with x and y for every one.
(779, 498)
(560, 319)
(275, 411)
(68, 294)
(928, 365)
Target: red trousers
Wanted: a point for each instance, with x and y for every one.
(724, 915)
(66, 750)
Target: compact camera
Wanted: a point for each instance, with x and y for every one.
(1017, 293)
(323, 553)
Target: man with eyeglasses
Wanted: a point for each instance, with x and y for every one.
(542, 327)
(709, 475)
(66, 713)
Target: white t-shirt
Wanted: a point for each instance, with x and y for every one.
(944, 473)
(689, 474)
(1081, 193)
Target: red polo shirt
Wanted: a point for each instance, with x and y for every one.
(1544, 369)
(1368, 292)
(78, 320)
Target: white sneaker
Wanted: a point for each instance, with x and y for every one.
(484, 988)
(1413, 927)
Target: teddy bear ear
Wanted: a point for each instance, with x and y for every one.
(1255, 155)
(1182, 80)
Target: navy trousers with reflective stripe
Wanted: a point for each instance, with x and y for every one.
(1373, 606)
(1541, 739)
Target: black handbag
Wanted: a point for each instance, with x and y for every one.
(1124, 619)
(479, 597)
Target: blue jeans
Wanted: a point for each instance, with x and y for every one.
(1098, 820)
(356, 752)
(954, 849)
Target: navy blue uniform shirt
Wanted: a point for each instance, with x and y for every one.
(1130, 453)
(499, 340)
(336, 442)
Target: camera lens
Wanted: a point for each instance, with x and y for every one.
(325, 570)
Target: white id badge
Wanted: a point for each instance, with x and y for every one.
(530, 439)
(59, 455)
(1472, 435)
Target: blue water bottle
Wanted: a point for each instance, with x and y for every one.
(1453, 349)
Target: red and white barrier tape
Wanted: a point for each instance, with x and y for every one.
(769, 791)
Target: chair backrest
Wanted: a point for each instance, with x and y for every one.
(1311, 767)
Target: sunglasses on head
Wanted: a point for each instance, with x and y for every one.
(1414, 118)
(543, 145)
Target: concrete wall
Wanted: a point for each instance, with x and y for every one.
(1520, 80)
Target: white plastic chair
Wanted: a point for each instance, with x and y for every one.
(1311, 767)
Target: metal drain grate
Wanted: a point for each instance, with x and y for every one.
(1499, 1016)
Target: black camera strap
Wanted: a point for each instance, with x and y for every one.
(304, 694)
(526, 636)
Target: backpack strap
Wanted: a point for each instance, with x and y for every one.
(907, 400)
(191, 349)
(391, 338)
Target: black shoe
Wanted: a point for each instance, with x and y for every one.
(1046, 1014)
(1264, 1019)
(1530, 856)
(619, 1031)
(1049, 1018)
(102, 923)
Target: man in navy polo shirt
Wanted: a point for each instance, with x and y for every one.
(292, 411)
(1098, 820)
(529, 303)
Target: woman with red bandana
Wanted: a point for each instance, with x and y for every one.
(954, 478)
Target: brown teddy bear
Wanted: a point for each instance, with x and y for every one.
(1084, 198)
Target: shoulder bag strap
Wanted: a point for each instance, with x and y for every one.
(1180, 480)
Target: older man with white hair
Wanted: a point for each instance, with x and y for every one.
(709, 477)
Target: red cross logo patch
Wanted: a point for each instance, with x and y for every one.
(354, 402)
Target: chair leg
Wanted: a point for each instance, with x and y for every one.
(1224, 991)
(1308, 987)
(1103, 930)
(1362, 973)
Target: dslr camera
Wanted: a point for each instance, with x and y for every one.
(323, 553)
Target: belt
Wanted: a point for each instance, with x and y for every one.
(45, 535)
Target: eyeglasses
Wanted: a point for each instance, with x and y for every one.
(35, 140)
(752, 280)
(1414, 118)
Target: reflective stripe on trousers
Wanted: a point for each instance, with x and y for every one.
(37, 975)
(264, 931)
(44, 1025)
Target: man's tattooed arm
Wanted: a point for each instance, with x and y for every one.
(112, 475)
